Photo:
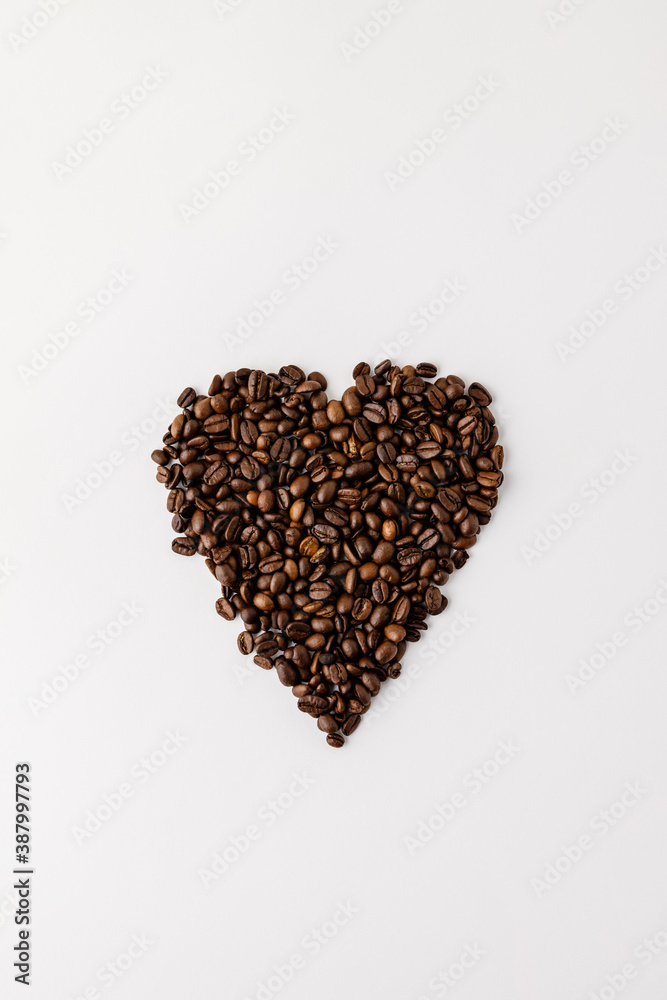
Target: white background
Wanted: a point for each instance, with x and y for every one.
(528, 618)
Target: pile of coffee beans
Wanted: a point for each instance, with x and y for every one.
(330, 525)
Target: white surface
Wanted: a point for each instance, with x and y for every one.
(529, 622)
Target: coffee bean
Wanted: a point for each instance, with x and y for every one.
(263, 661)
(401, 610)
(365, 384)
(267, 647)
(409, 555)
(245, 643)
(175, 501)
(491, 480)
(287, 673)
(335, 739)
(298, 631)
(225, 609)
(327, 723)
(371, 682)
(186, 398)
(469, 525)
(350, 724)
(479, 394)
(184, 546)
(467, 424)
(428, 539)
(361, 609)
(312, 704)
(433, 600)
(326, 534)
(449, 499)
(291, 374)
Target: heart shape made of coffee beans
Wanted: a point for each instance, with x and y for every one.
(331, 525)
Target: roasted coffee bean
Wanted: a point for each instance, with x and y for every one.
(287, 673)
(327, 534)
(395, 633)
(365, 383)
(327, 723)
(263, 661)
(433, 599)
(291, 374)
(331, 525)
(184, 546)
(312, 704)
(380, 591)
(245, 643)
(267, 647)
(401, 610)
(409, 555)
(479, 394)
(186, 398)
(449, 499)
(385, 652)
(490, 479)
(361, 609)
(225, 609)
(350, 724)
(298, 630)
(371, 682)
(175, 501)
(467, 424)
